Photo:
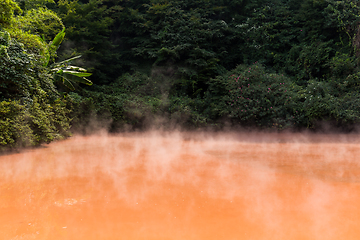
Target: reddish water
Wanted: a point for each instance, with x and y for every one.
(169, 187)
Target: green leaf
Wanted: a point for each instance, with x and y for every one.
(54, 44)
(67, 83)
(75, 78)
(75, 68)
(58, 38)
(85, 81)
(66, 61)
(78, 74)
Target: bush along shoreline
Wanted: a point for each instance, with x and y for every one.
(248, 98)
(267, 65)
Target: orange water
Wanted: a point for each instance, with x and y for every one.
(157, 187)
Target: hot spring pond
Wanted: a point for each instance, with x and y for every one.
(183, 187)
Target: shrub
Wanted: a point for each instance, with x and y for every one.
(331, 101)
(48, 121)
(14, 128)
(249, 95)
(187, 112)
(39, 121)
(15, 68)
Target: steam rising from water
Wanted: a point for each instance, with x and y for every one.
(183, 186)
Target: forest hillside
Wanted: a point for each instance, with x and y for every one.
(73, 65)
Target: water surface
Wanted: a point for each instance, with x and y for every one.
(172, 186)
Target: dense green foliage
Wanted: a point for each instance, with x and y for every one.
(281, 64)
(251, 96)
(31, 109)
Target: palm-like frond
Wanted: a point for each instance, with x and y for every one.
(53, 46)
(70, 74)
(63, 71)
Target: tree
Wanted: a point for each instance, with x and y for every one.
(89, 31)
(7, 9)
(16, 69)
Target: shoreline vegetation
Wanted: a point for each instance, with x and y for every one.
(265, 65)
